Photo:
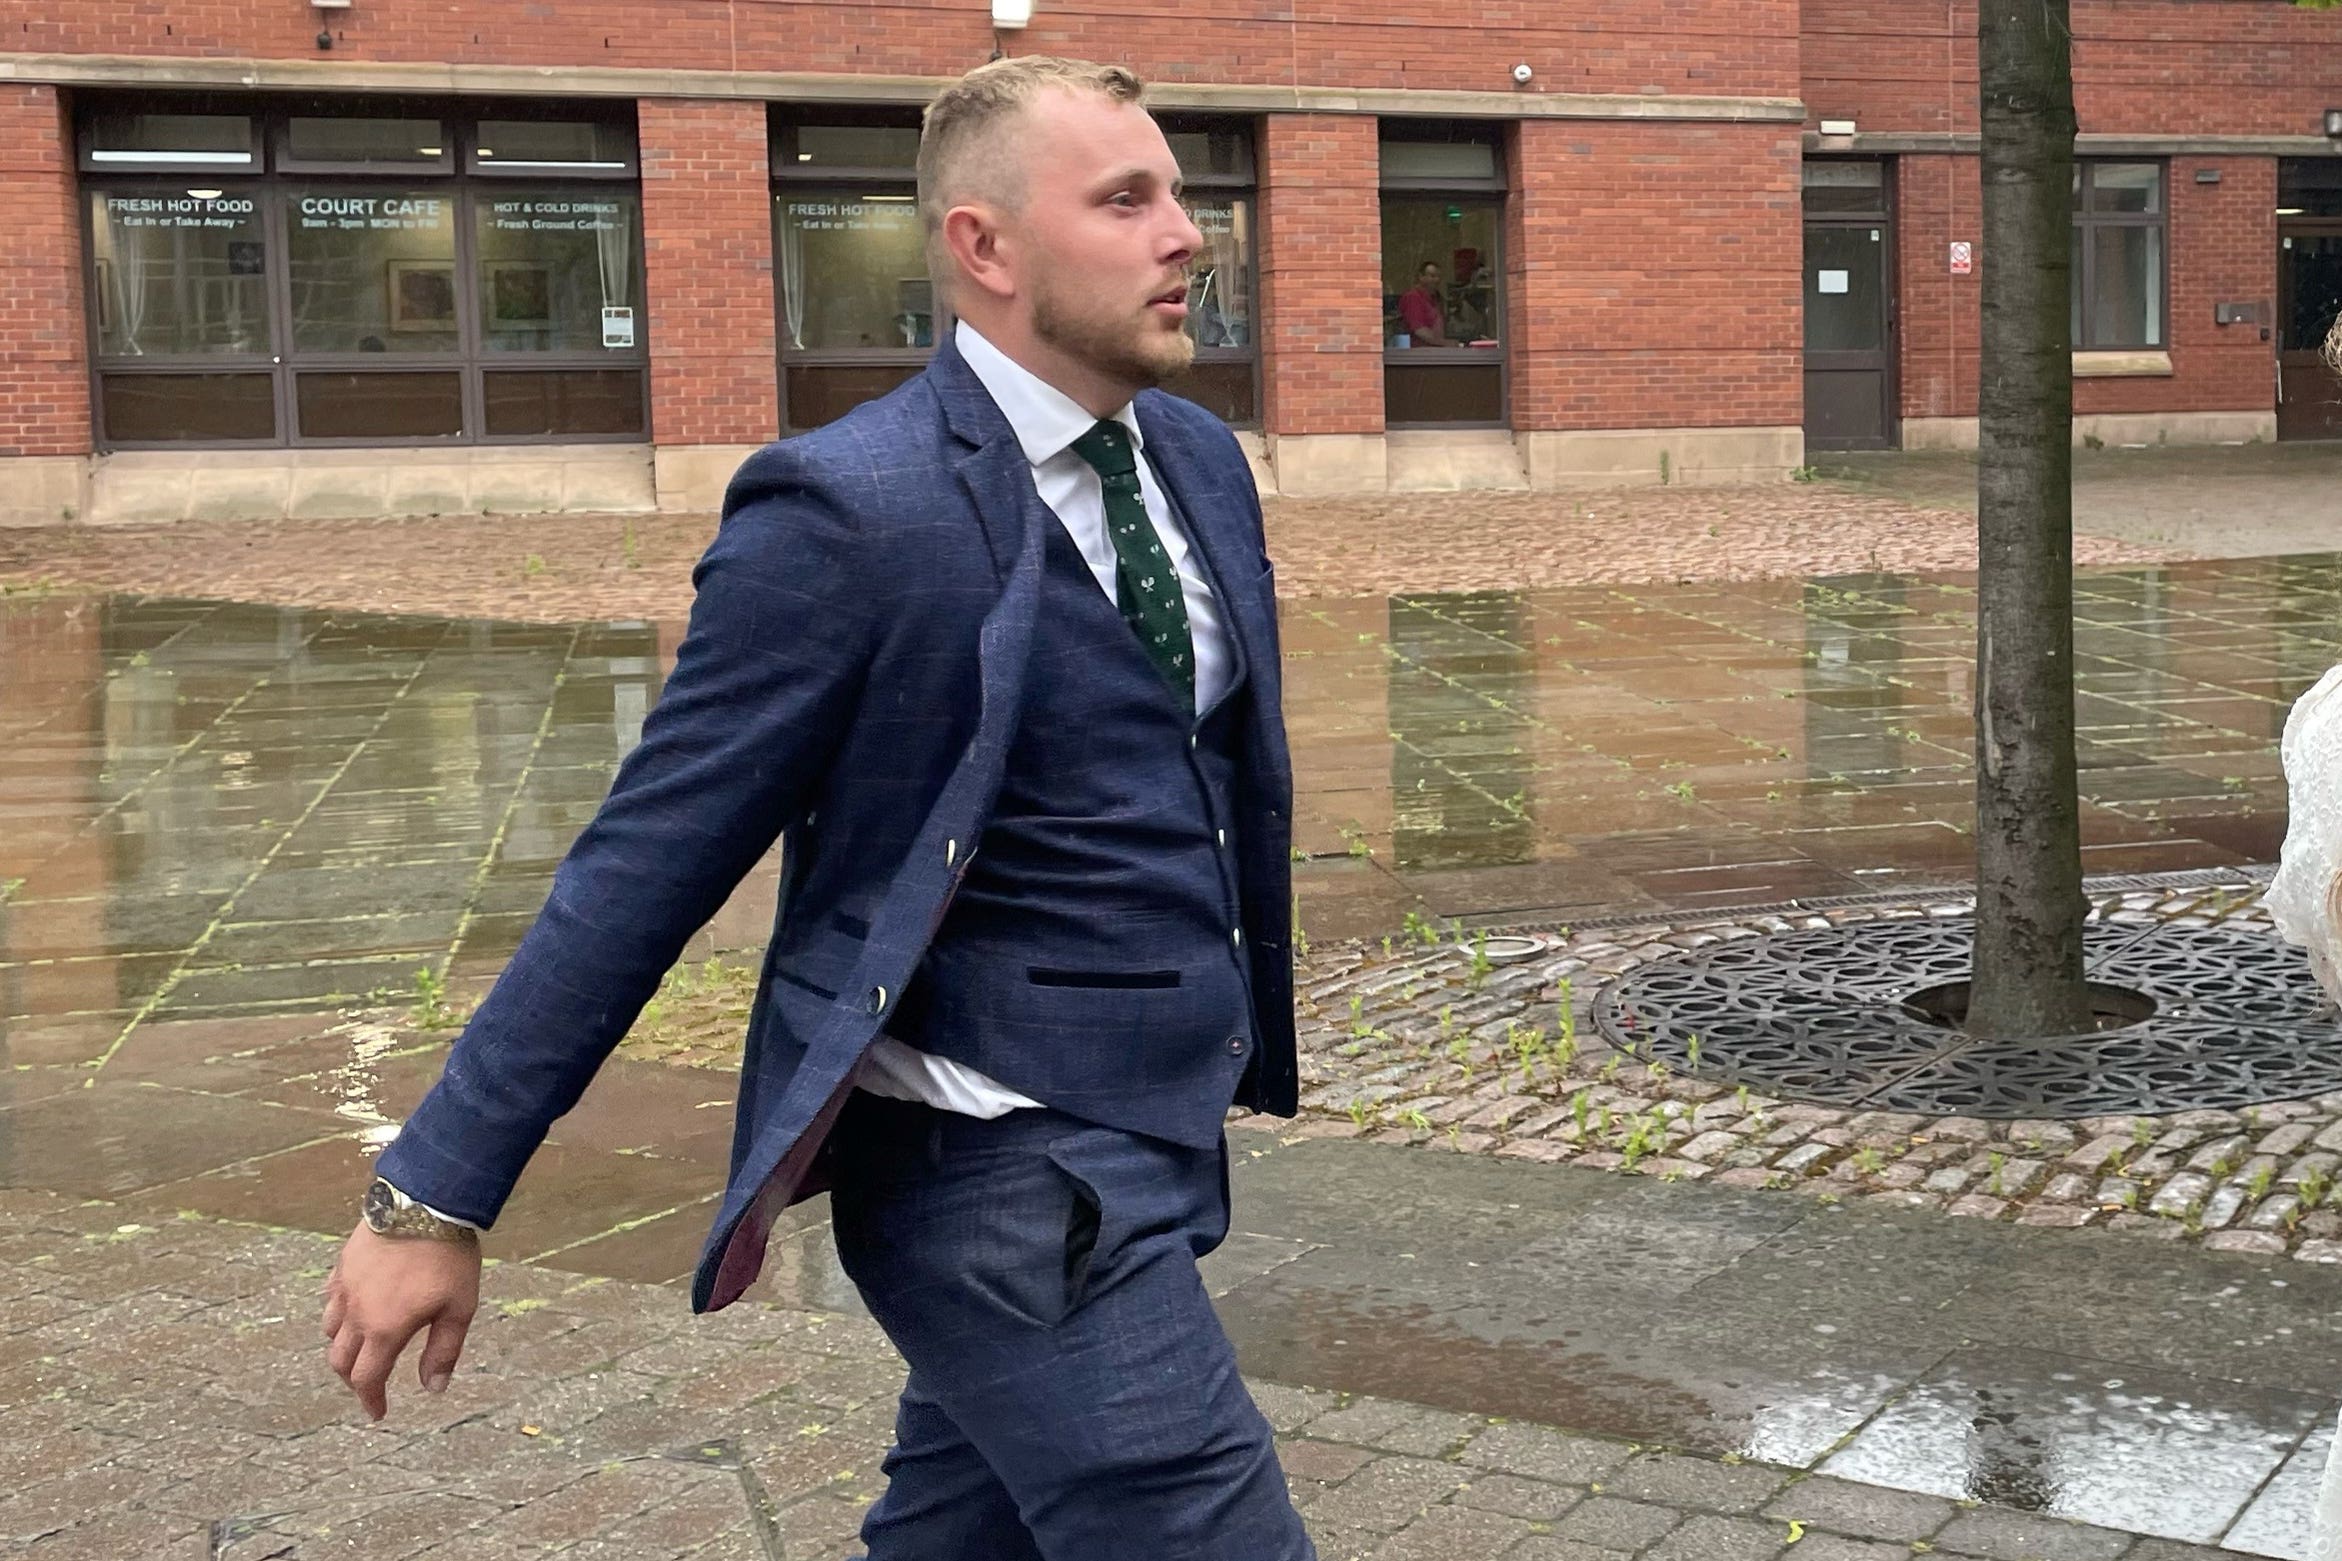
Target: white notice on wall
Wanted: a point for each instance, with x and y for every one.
(1833, 281)
(617, 327)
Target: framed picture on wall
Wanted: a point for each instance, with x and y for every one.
(520, 295)
(422, 295)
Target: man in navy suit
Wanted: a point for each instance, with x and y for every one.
(996, 658)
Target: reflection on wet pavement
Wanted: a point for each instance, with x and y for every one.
(220, 810)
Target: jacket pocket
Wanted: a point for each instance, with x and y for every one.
(803, 985)
(1105, 980)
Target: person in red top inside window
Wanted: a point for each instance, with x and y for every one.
(1422, 311)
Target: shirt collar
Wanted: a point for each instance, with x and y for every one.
(1045, 420)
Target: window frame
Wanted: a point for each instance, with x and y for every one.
(273, 188)
(2085, 256)
(1493, 194)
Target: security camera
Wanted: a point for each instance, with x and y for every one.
(1522, 73)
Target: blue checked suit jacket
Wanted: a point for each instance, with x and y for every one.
(856, 657)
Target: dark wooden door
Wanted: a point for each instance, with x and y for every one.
(1849, 335)
(2309, 294)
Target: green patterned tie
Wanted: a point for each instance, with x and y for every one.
(1147, 587)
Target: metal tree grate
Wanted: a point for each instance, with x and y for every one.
(1817, 1015)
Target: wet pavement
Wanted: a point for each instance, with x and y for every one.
(224, 811)
(217, 820)
(167, 1405)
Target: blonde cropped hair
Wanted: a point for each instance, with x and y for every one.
(964, 153)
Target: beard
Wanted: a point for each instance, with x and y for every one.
(1133, 347)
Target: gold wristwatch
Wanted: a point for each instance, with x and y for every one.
(389, 1212)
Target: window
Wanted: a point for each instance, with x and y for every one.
(1442, 276)
(353, 286)
(1216, 161)
(2119, 281)
(170, 142)
(857, 313)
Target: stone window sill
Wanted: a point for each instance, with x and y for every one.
(2122, 365)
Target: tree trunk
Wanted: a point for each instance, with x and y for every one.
(2027, 978)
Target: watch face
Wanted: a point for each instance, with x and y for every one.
(379, 1206)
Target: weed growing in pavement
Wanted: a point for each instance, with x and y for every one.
(2313, 1187)
(431, 1010)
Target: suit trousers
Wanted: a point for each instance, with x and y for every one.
(1072, 1395)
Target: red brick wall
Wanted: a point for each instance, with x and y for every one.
(2196, 67)
(708, 271)
(2223, 244)
(1694, 46)
(44, 362)
(1321, 274)
(1654, 275)
(1937, 200)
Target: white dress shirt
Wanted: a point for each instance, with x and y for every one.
(1046, 422)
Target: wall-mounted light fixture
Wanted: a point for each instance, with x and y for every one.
(1011, 15)
(2334, 124)
(1837, 127)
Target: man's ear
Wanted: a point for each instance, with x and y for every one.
(980, 248)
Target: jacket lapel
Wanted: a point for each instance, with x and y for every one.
(991, 464)
(1215, 519)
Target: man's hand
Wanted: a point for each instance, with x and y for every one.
(384, 1291)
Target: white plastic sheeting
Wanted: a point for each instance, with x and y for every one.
(2303, 900)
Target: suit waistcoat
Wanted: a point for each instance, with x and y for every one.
(1092, 957)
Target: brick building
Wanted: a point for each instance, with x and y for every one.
(359, 256)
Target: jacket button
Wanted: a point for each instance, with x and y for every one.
(1237, 935)
(878, 1000)
(1223, 837)
(951, 852)
(1235, 1045)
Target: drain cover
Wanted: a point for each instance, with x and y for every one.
(1820, 1015)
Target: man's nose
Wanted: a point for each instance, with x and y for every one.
(1186, 236)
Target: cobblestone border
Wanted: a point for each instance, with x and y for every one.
(1424, 1041)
